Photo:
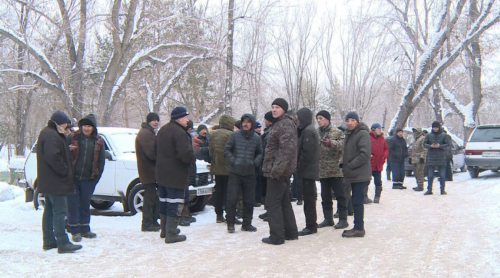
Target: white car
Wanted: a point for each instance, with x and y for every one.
(120, 180)
(483, 150)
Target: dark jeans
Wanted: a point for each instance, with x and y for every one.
(150, 205)
(53, 219)
(171, 201)
(79, 206)
(258, 186)
(296, 188)
(220, 194)
(398, 171)
(358, 195)
(245, 185)
(430, 176)
(310, 196)
(377, 180)
(339, 189)
(281, 218)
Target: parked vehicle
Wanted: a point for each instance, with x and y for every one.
(458, 160)
(483, 150)
(120, 180)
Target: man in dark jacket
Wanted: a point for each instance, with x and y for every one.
(268, 121)
(380, 151)
(280, 161)
(174, 157)
(356, 168)
(55, 181)
(146, 160)
(398, 151)
(220, 165)
(308, 168)
(331, 150)
(200, 144)
(436, 143)
(243, 151)
(88, 156)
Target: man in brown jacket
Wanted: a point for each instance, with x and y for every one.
(146, 160)
(280, 161)
(174, 157)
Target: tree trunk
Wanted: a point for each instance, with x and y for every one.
(229, 59)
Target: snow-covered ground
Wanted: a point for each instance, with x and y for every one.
(407, 235)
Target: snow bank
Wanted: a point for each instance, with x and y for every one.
(4, 166)
(9, 192)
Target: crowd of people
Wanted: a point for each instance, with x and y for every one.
(249, 165)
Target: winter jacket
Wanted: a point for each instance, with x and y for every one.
(146, 154)
(380, 151)
(331, 157)
(308, 147)
(243, 150)
(436, 156)
(55, 172)
(418, 151)
(218, 140)
(174, 156)
(448, 150)
(280, 158)
(357, 151)
(201, 149)
(398, 150)
(88, 154)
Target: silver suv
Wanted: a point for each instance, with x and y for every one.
(483, 150)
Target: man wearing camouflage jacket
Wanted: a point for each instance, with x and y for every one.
(418, 154)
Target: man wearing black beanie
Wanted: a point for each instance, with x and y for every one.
(146, 160)
(281, 103)
(436, 143)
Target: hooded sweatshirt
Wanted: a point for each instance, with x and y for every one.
(308, 146)
(243, 150)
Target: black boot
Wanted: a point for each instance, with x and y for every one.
(443, 192)
(184, 221)
(419, 188)
(376, 200)
(378, 192)
(68, 248)
(342, 224)
(328, 219)
(171, 227)
(306, 231)
(336, 215)
(367, 200)
(230, 228)
(163, 225)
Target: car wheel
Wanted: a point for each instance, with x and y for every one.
(98, 204)
(198, 203)
(136, 199)
(494, 170)
(38, 199)
(409, 173)
(473, 172)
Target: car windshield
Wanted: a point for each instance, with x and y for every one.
(490, 134)
(125, 142)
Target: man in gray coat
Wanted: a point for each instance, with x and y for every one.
(243, 151)
(436, 143)
(308, 168)
(356, 168)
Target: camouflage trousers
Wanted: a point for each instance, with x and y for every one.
(419, 173)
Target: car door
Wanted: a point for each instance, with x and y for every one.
(106, 185)
(458, 155)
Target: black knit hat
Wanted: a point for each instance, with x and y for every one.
(152, 117)
(436, 124)
(59, 117)
(178, 112)
(281, 102)
(269, 116)
(352, 115)
(238, 124)
(325, 114)
(189, 124)
(201, 127)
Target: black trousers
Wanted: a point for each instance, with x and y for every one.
(339, 189)
(377, 180)
(310, 196)
(297, 189)
(258, 186)
(150, 205)
(281, 218)
(220, 194)
(245, 185)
